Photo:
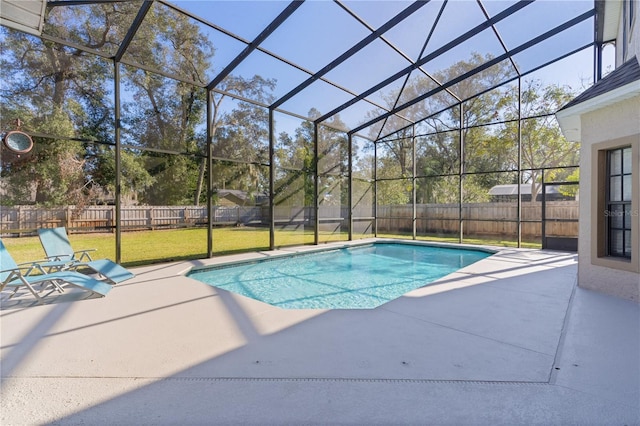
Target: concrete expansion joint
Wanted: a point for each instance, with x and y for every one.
(289, 379)
(553, 373)
(353, 380)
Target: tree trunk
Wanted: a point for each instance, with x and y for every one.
(203, 166)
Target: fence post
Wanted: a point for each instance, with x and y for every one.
(19, 220)
(67, 217)
(150, 216)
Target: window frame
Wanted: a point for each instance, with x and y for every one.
(600, 254)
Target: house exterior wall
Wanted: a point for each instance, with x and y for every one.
(27, 16)
(603, 129)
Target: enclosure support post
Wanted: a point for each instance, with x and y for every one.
(210, 176)
(316, 186)
(597, 62)
(350, 185)
(519, 201)
(118, 158)
(272, 207)
(461, 169)
(144, 9)
(413, 180)
(543, 213)
(375, 189)
(597, 53)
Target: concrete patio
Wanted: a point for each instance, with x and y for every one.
(508, 340)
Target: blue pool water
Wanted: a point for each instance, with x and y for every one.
(348, 278)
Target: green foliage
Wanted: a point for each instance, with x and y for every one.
(543, 145)
(394, 192)
(241, 133)
(442, 190)
(53, 170)
(172, 180)
(486, 147)
(65, 93)
(438, 154)
(296, 164)
(57, 91)
(134, 177)
(571, 190)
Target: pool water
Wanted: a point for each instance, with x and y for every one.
(348, 278)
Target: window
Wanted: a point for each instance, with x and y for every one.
(618, 211)
(615, 204)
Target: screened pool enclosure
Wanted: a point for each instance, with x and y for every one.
(271, 123)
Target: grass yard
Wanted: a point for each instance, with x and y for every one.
(145, 247)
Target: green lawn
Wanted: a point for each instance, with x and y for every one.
(145, 247)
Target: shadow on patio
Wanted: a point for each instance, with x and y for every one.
(508, 340)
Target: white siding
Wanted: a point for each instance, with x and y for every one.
(23, 15)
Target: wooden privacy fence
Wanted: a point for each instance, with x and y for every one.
(494, 219)
(26, 219)
(479, 218)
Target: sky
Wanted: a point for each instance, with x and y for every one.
(320, 30)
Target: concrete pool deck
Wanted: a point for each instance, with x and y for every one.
(508, 340)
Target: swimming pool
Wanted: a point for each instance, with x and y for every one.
(356, 277)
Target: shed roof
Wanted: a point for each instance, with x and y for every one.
(512, 189)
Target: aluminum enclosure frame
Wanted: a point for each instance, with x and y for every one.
(287, 12)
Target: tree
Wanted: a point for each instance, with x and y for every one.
(241, 134)
(47, 87)
(489, 150)
(395, 190)
(296, 167)
(166, 126)
(543, 145)
(332, 164)
(63, 92)
(571, 190)
(134, 179)
(294, 159)
(438, 149)
(164, 114)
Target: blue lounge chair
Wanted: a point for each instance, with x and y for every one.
(16, 276)
(57, 247)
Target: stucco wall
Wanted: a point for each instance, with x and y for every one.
(612, 122)
(607, 124)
